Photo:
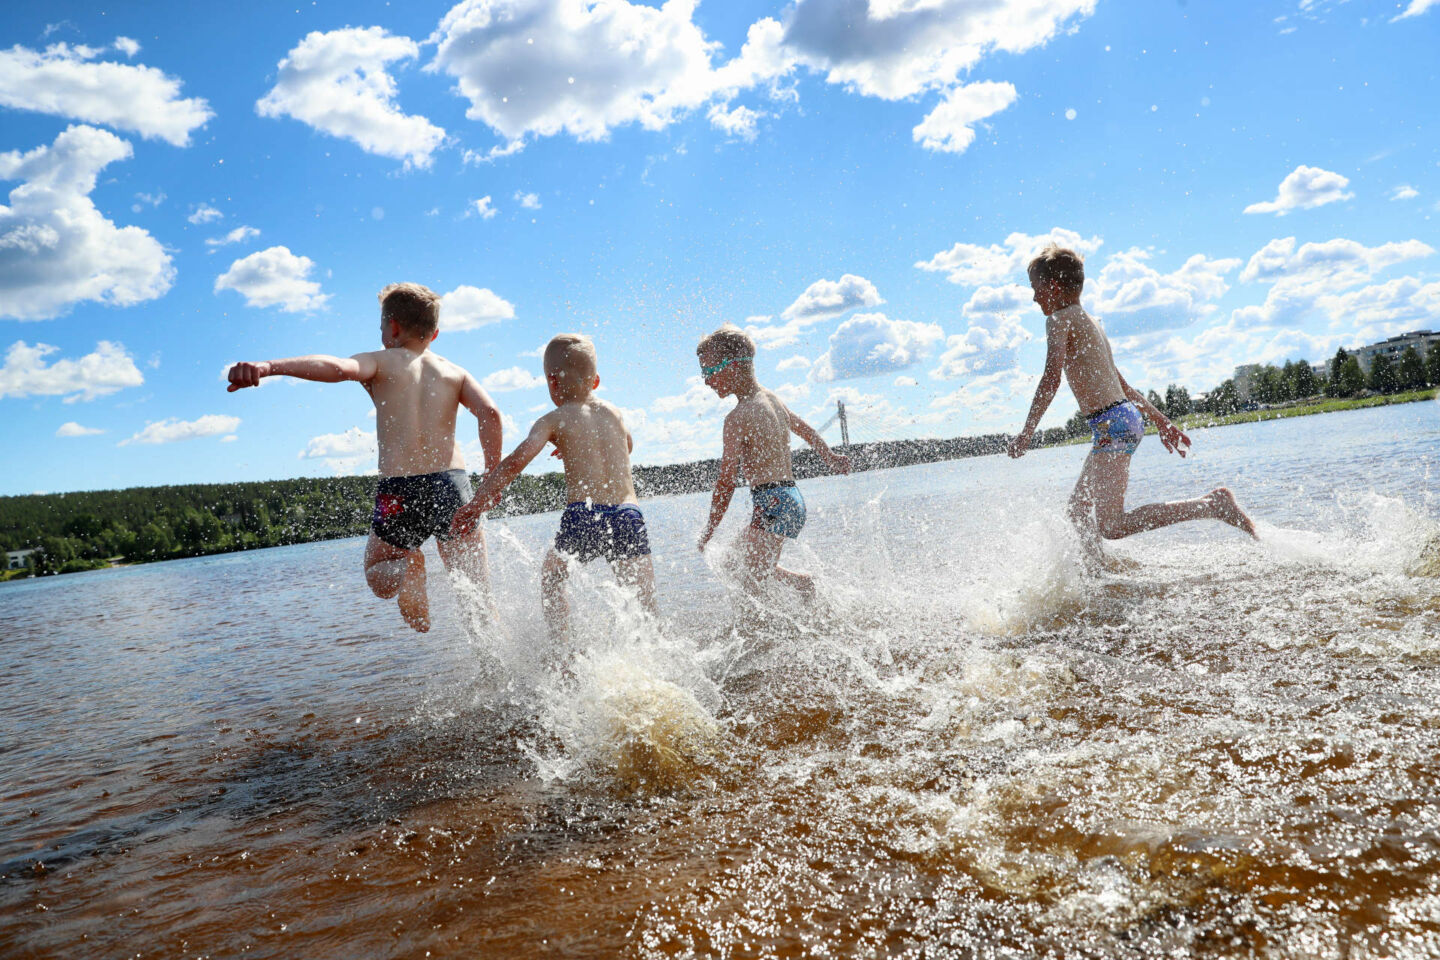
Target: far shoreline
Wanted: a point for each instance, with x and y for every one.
(873, 457)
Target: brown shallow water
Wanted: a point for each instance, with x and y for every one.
(974, 749)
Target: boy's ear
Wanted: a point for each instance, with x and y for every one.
(596, 384)
(433, 334)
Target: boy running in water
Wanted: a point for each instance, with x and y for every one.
(1077, 347)
(602, 518)
(757, 444)
(423, 480)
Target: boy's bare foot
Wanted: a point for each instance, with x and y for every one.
(413, 601)
(1229, 511)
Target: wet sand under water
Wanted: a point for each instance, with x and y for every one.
(973, 748)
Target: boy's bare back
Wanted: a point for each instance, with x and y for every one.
(760, 427)
(417, 397)
(595, 446)
(1088, 363)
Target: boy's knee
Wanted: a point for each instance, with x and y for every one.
(384, 587)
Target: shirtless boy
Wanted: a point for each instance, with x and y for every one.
(423, 480)
(1077, 347)
(757, 444)
(602, 518)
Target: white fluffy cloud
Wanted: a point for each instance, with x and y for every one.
(995, 334)
(530, 201)
(738, 122)
(994, 398)
(483, 208)
(1301, 276)
(344, 452)
(127, 46)
(821, 300)
(899, 48)
(1404, 192)
(467, 307)
(972, 265)
(950, 127)
(1304, 189)
(204, 213)
(698, 399)
(1416, 8)
(1384, 309)
(73, 429)
(67, 81)
(238, 235)
(27, 374)
(513, 378)
(543, 67)
(56, 248)
(796, 362)
(871, 343)
(830, 298)
(337, 82)
(173, 430)
(274, 277)
(1133, 296)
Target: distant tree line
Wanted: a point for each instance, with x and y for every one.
(81, 531)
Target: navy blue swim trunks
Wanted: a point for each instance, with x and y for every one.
(777, 508)
(410, 510)
(614, 532)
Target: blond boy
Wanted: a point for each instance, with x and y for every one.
(1076, 346)
(757, 444)
(602, 517)
(423, 480)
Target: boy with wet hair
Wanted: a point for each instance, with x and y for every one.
(1076, 346)
(423, 480)
(602, 517)
(757, 444)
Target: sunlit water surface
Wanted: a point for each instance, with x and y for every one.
(973, 747)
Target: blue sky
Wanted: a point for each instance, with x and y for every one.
(859, 182)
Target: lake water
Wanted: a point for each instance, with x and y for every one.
(972, 748)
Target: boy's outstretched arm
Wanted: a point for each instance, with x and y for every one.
(1057, 335)
(493, 484)
(838, 462)
(474, 398)
(725, 485)
(319, 367)
(1171, 437)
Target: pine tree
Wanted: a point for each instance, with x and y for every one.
(1411, 372)
(1383, 376)
(1432, 363)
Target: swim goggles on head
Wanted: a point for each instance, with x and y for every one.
(711, 371)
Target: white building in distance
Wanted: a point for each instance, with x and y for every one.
(1421, 340)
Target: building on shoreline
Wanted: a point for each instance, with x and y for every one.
(1392, 347)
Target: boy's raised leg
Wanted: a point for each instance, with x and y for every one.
(638, 573)
(1103, 483)
(760, 560)
(393, 572)
(553, 574)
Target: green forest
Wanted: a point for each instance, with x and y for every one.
(69, 532)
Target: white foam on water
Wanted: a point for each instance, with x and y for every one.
(1381, 535)
(633, 707)
(1039, 574)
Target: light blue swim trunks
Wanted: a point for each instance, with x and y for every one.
(1118, 428)
(779, 509)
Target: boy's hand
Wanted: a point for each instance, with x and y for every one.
(705, 538)
(247, 375)
(467, 518)
(1172, 437)
(839, 463)
(1020, 444)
